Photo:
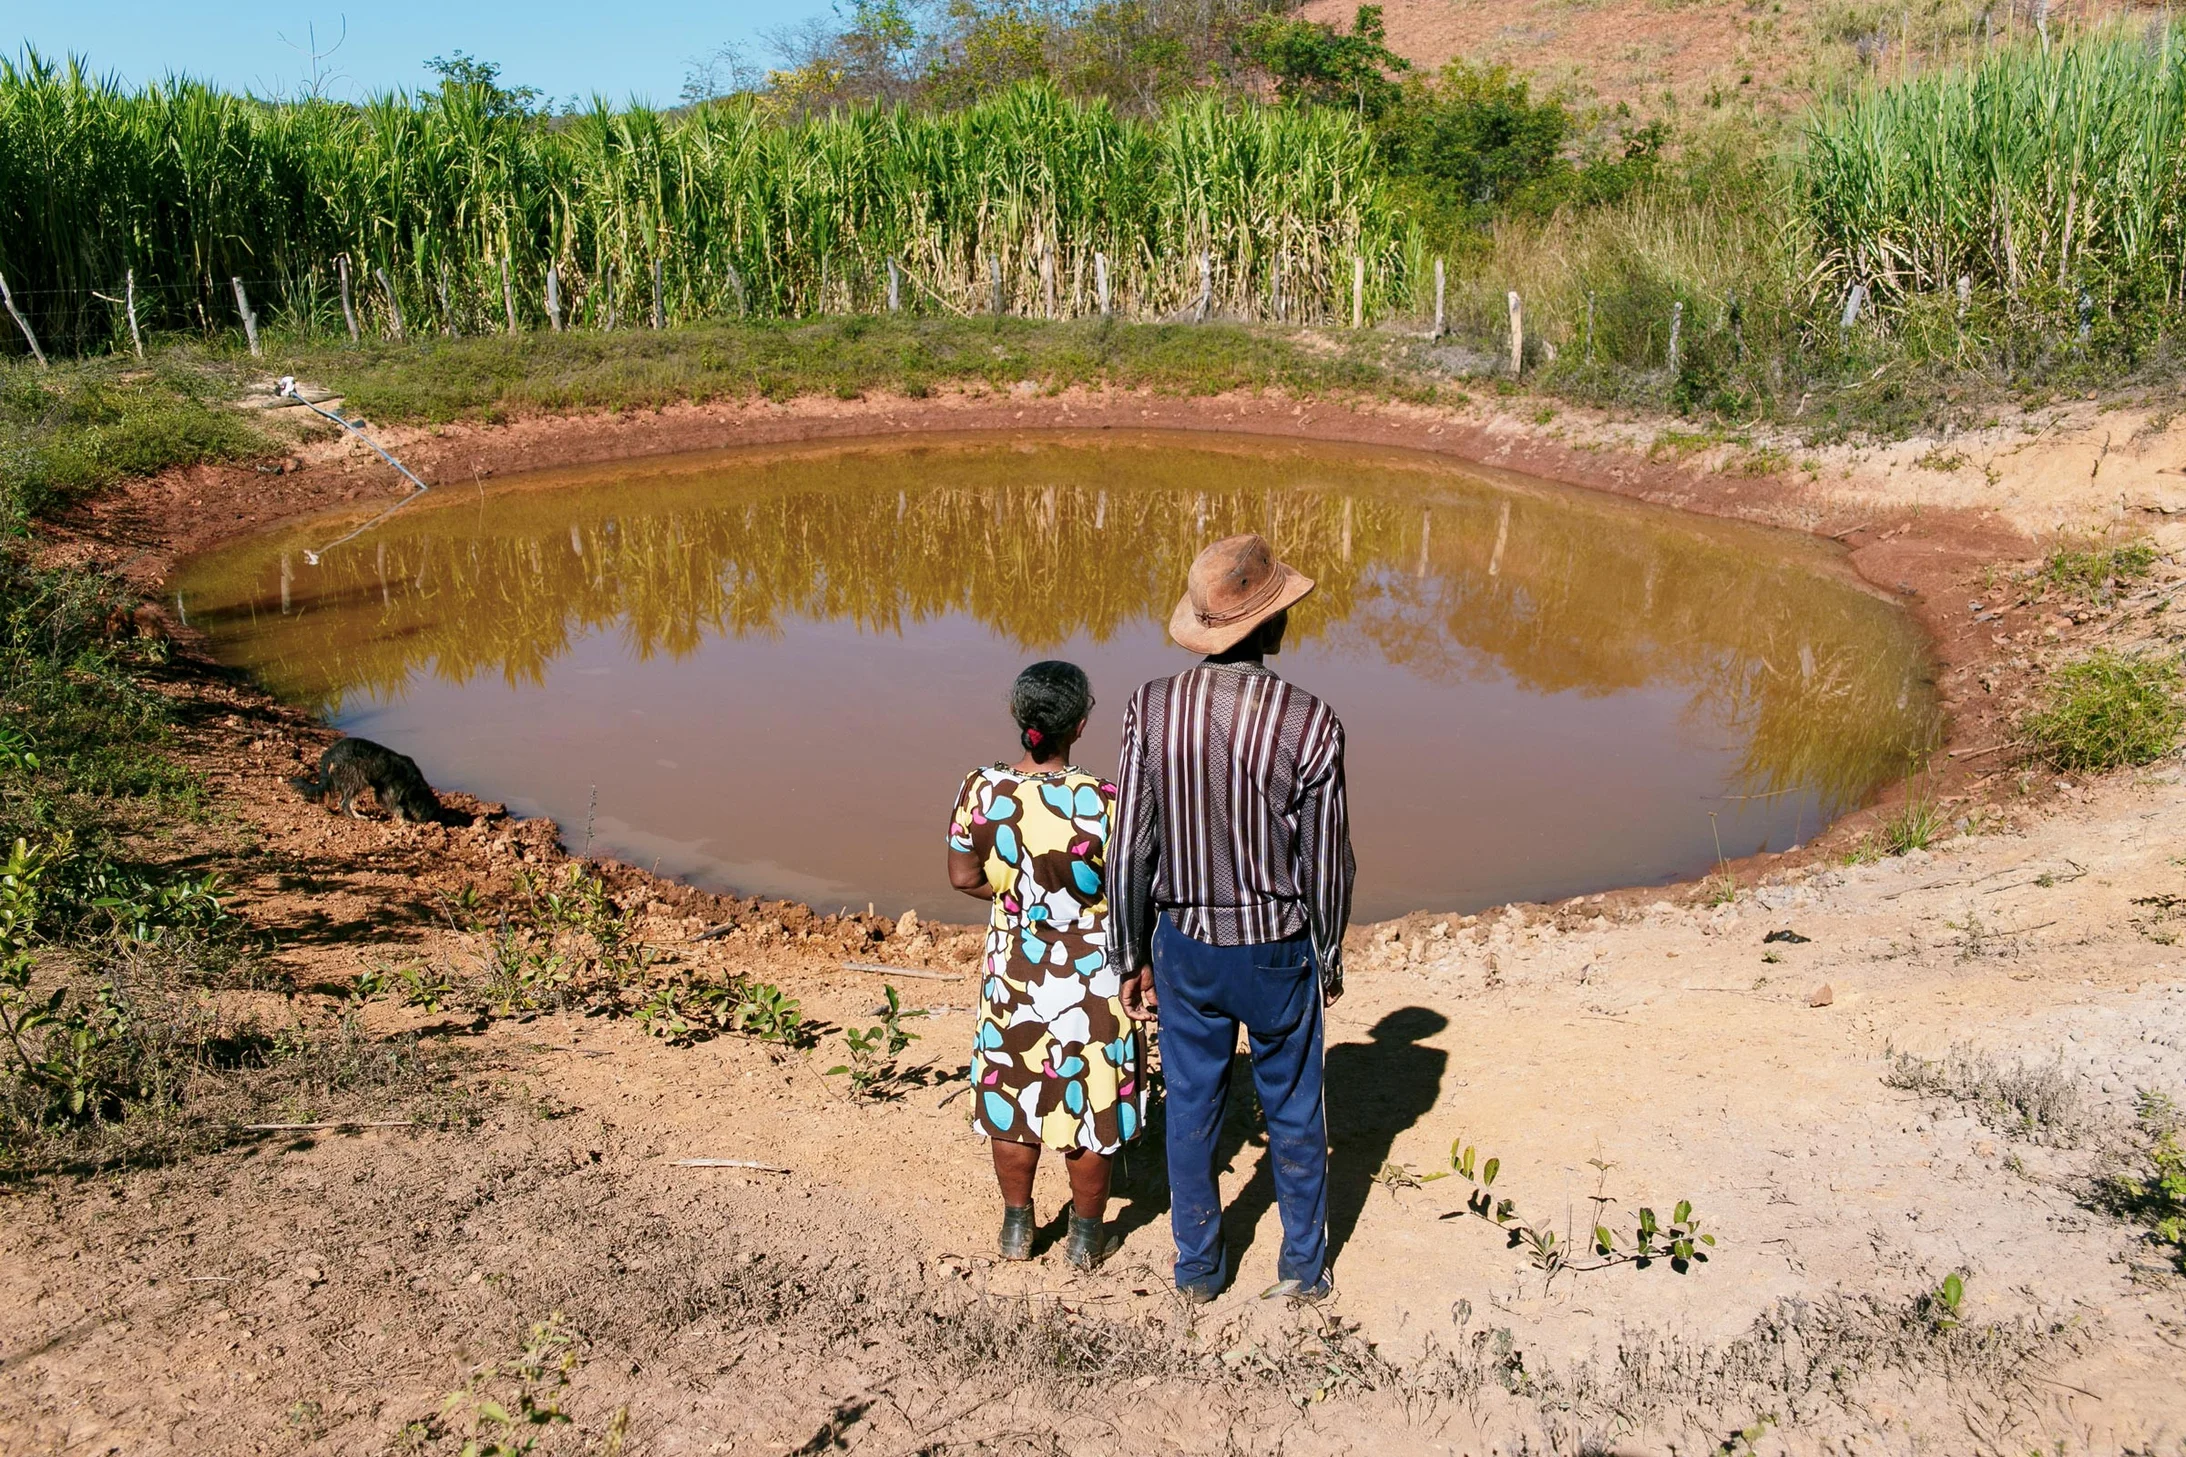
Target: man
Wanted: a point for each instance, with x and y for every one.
(1229, 888)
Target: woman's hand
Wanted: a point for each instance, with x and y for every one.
(1140, 1001)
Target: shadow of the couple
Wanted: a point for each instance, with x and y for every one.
(1377, 1089)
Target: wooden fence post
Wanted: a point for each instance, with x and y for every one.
(1100, 281)
(1590, 326)
(1205, 305)
(1517, 335)
(250, 320)
(1358, 291)
(1275, 290)
(994, 274)
(508, 295)
(736, 281)
(394, 305)
(1852, 302)
(134, 337)
(447, 311)
(895, 287)
(1677, 326)
(22, 323)
(1438, 299)
(554, 298)
(349, 310)
(608, 283)
(1047, 280)
(660, 307)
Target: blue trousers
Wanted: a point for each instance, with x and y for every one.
(1275, 991)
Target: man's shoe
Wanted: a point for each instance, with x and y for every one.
(1089, 1243)
(1319, 1290)
(1016, 1241)
(1197, 1294)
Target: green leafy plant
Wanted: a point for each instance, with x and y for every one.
(2108, 711)
(2155, 1193)
(1941, 1305)
(873, 1052)
(685, 1009)
(505, 1407)
(770, 1016)
(1680, 1241)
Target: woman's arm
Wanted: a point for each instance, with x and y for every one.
(968, 873)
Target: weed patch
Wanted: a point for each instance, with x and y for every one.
(2094, 573)
(2108, 711)
(2153, 1192)
(2043, 1103)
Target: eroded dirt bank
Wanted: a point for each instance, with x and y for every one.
(319, 1293)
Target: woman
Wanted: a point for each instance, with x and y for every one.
(1055, 1062)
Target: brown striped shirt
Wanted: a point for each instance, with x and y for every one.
(1230, 816)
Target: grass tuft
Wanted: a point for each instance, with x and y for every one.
(2040, 1103)
(2093, 573)
(2108, 711)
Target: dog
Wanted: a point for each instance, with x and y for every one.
(351, 766)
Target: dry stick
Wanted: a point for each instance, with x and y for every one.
(1517, 334)
(349, 310)
(135, 338)
(508, 295)
(394, 305)
(287, 389)
(879, 970)
(250, 320)
(21, 322)
(1991, 749)
(338, 1123)
(727, 1164)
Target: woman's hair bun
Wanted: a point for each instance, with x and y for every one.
(1048, 700)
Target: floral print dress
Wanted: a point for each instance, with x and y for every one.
(1055, 1060)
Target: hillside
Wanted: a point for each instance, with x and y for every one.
(1657, 55)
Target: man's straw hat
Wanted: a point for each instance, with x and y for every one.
(1234, 586)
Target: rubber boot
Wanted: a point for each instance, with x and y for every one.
(1089, 1243)
(1016, 1241)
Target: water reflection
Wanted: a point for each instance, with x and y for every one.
(1451, 580)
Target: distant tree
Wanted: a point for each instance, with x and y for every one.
(460, 71)
(1320, 65)
(983, 46)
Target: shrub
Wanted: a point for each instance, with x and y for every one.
(2092, 572)
(2107, 711)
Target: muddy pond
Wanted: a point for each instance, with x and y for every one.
(767, 670)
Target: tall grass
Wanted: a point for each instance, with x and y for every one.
(2037, 173)
(743, 214)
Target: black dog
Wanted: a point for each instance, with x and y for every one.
(351, 766)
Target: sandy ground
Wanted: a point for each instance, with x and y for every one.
(318, 1293)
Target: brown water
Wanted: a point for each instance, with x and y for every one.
(772, 667)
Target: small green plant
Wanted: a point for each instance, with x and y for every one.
(1940, 1306)
(770, 1016)
(1680, 1241)
(2155, 1194)
(685, 1009)
(506, 1406)
(1942, 460)
(1394, 1176)
(1913, 825)
(873, 1052)
(2108, 711)
(2094, 573)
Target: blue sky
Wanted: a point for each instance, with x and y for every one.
(620, 48)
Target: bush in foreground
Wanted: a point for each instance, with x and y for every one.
(2108, 711)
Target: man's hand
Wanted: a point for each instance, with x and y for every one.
(1140, 1001)
(1331, 989)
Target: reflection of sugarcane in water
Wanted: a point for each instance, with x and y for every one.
(1555, 594)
